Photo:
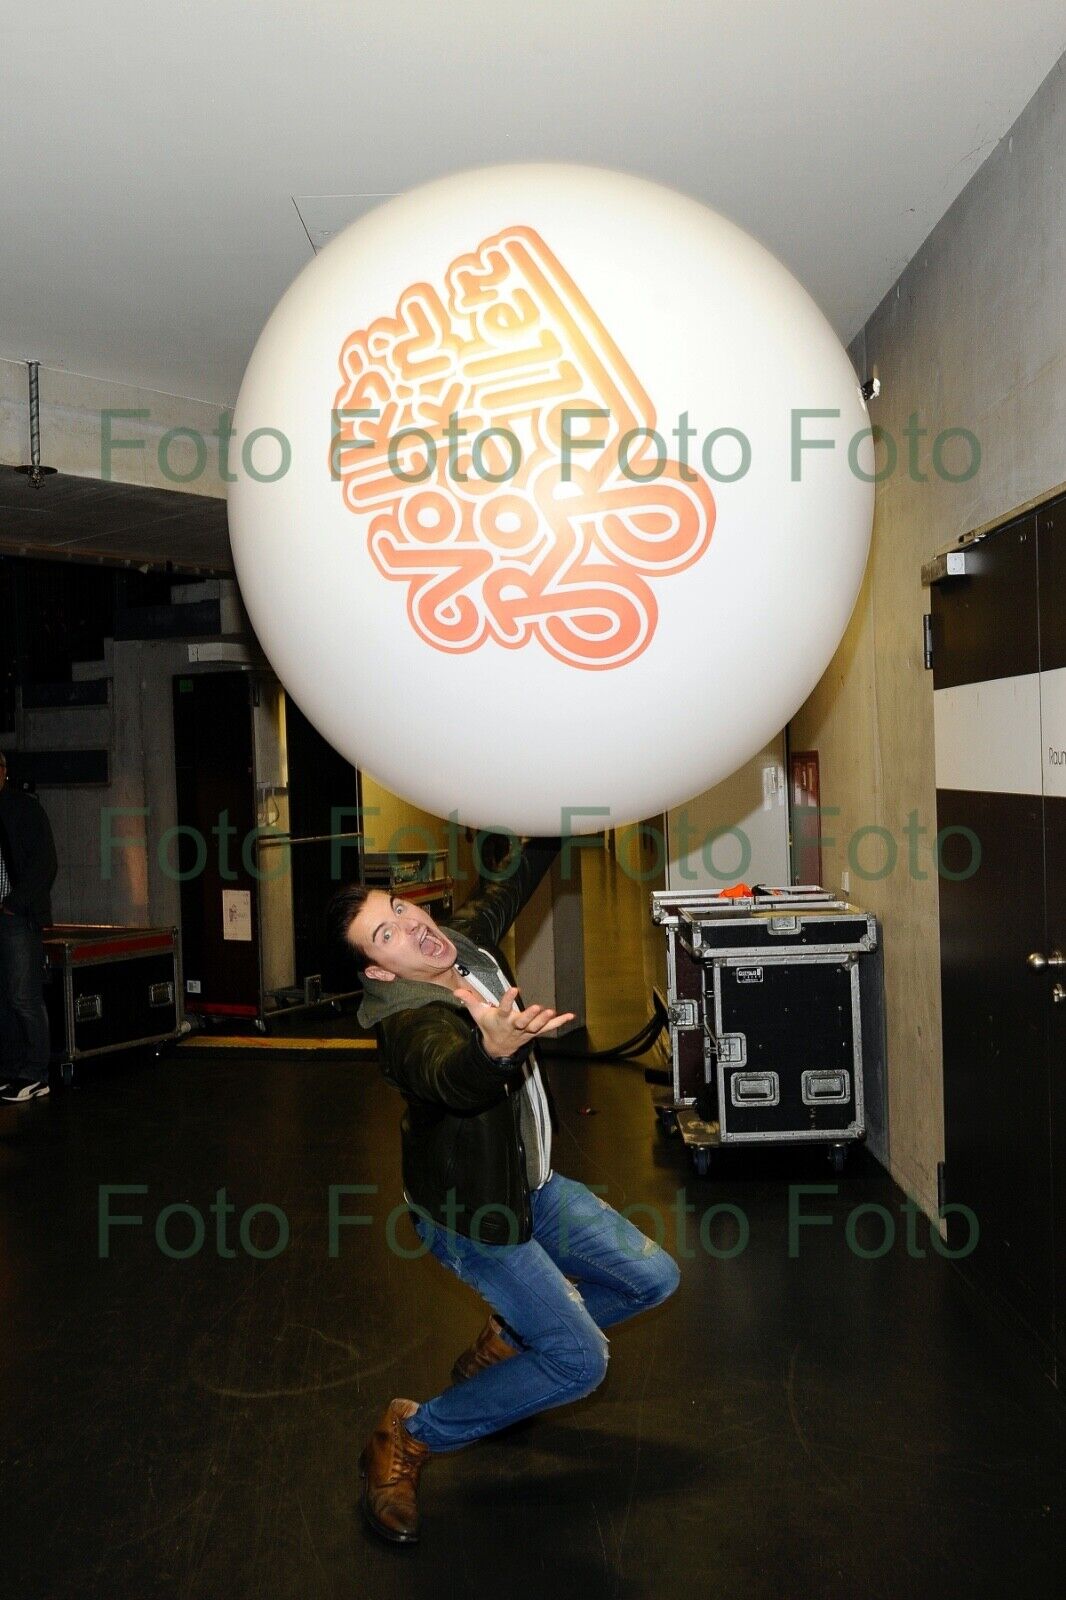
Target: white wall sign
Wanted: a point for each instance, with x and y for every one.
(237, 914)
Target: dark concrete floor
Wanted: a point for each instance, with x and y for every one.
(800, 1426)
(817, 1426)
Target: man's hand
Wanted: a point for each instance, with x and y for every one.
(504, 1029)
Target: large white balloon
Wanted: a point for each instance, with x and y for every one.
(531, 635)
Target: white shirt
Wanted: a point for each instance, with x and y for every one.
(533, 1086)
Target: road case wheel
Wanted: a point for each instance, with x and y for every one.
(664, 1116)
(838, 1156)
(701, 1160)
(66, 1072)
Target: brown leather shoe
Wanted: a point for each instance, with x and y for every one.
(389, 1467)
(487, 1350)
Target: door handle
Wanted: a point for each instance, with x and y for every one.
(1038, 962)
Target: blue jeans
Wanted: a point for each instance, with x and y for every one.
(23, 1017)
(555, 1324)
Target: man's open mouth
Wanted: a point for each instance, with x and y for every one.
(430, 945)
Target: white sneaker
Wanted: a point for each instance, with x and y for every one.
(16, 1093)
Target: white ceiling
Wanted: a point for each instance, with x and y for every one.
(152, 155)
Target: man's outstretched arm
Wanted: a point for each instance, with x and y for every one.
(431, 1052)
(492, 907)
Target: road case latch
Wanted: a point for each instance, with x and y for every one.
(683, 1014)
(732, 1049)
(782, 925)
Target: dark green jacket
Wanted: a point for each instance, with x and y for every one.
(464, 1162)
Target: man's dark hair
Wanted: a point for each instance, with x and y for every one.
(341, 912)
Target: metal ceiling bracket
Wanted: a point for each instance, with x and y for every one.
(34, 471)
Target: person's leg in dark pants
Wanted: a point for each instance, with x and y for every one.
(22, 998)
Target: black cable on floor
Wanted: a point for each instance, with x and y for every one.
(628, 1050)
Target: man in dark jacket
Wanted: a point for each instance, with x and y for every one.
(27, 872)
(556, 1264)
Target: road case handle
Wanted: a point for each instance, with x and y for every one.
(755, 1089)
(826, 1087)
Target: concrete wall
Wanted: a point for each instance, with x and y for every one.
(749, 809)
(973, 336)
(73, 430)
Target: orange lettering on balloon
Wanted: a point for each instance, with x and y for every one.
(509, 547)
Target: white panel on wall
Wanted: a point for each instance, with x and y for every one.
(1053, 730)
(987, 735)
(749, 815)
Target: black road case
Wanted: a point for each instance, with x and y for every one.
(110, 988)
(680, 913)
(776, 1020)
